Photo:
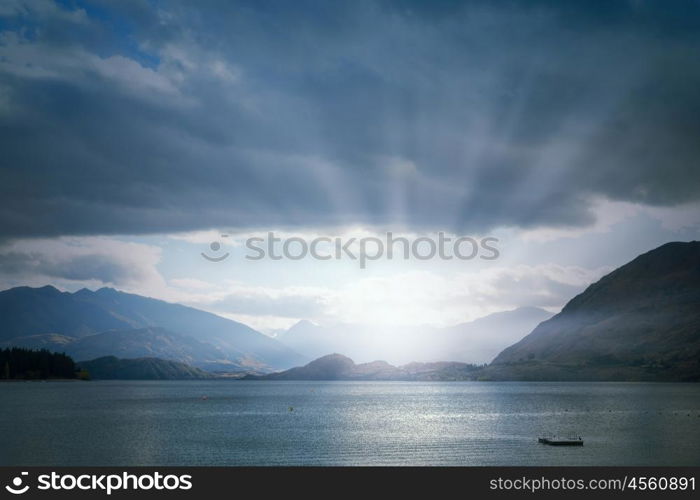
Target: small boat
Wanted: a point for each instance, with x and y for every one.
(557, 441)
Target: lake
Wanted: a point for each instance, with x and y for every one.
(346, 423)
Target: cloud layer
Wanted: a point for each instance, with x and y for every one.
(87, 261)
(128, 118)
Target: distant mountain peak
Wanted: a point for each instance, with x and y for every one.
(303, 323)
(478, 341)
(48, 290)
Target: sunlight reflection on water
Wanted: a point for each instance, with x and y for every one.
(347, 423)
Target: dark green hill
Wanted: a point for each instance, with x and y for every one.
(339, 367)
(18, 363)
(110, 367)
(640, 322)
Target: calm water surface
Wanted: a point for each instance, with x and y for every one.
(346, 423)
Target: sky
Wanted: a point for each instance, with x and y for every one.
(137, 133)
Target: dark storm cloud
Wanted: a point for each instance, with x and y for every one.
(105, 268)
(130, 119)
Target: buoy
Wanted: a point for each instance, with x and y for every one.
(291, 408)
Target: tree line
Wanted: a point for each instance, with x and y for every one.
(19, 363)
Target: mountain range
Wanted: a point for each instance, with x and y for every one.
(476, 342)
(339, 367)
(91, 324)
(640, 322)
(110, 367)
(137, 343)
